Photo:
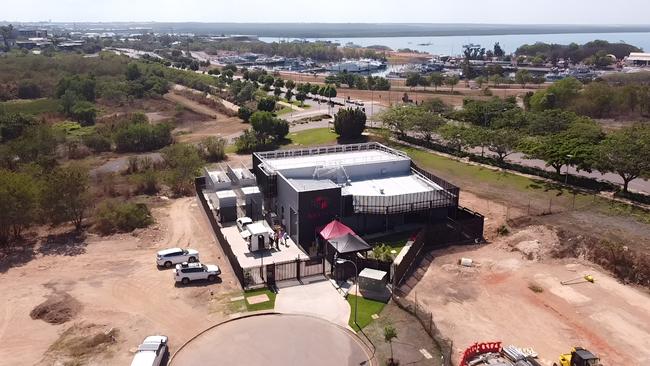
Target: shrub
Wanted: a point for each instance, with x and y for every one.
(146, 182)
(350, 123)
(244, 113)
(141, 137)
(113, 216)
(84, 112)
(266, 104)
(96, 142)
(213, 149)
(29, 90)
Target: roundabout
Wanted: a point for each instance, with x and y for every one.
(274, 339)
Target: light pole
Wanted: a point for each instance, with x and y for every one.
(342, 261)
(566, 177)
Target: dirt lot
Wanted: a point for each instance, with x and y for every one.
(493, 301)
(117, 286)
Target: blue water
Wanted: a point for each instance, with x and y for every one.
(452, 45)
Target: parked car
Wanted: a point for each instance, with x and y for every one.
(151, 352)
(187, 272)
(169, 257)
(242, 222)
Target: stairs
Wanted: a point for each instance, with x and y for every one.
(419, 269)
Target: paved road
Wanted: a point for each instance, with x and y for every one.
(275, 340)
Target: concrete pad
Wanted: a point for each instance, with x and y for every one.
(257, 299)
(374, 316)
(426, 354)
(319, 299)
(237, 298)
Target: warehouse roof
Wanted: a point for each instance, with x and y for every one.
(335, 159)
(390, 186)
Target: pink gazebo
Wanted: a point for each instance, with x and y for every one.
(335, 229)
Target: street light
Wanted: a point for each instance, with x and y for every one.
(566, 177)
(356, 280)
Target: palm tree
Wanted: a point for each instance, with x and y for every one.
(389, 334)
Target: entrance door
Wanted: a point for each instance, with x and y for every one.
(260, 242)
(293, 225)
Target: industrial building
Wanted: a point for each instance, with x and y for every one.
(369, 187)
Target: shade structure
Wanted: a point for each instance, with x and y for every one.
(349, 243)
(335, 229)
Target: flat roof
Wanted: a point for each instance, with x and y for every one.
(332, 159)
(302, 185)
(391, 186)
(373, 274)
(250, 190)
(225, 194)
(218, 176)
(257, 228)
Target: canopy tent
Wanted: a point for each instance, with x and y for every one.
(335, 229)
(349, 243)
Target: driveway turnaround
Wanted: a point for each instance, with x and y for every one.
(275, 340)
(318, 298)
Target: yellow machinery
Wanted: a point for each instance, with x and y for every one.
(575, 281)
(578, 357)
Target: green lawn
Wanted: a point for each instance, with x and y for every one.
(268, 305)
(283, 111)
(365, 310)
(312, 137)
(36, 106)
(396, 241)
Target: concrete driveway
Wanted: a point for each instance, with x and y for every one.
(318, 298)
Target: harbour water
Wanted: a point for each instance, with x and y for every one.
(452, 45)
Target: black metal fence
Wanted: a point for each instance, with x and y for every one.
(425, 317)
(269, 274)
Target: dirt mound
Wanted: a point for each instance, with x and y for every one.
(81, 342)
(534, 242)
(59, 308)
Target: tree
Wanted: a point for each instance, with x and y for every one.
(426, 123)
(523, 77)
(436, 80)
(502, 142)
(65, 195)
(301, 96)
(347, 78)
(244, 113)
(424, 82)
(288, 95)
(278, 83)
(212, 149)
(133, 71)
(268, 128)
(6, 31)
(184, 163)
(498, 51)
(398, 119)
(413, 79)
(266, 104)
(480, 81)
(290, 84)
(350, 123)
(452, 81)
(558, 95)
(84, 112)
(390, 333)
(18, 203)
(457, 136)
(626, 152)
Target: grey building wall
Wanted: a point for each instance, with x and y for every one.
(287, 199)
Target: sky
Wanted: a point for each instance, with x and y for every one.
(332, 11)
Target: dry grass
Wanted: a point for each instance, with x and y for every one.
(81, 342)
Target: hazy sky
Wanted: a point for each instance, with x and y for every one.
(362, 11)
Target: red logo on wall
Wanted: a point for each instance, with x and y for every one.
(321, 203)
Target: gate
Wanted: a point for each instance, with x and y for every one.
(270, 274)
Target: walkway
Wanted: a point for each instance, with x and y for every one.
(317, 298)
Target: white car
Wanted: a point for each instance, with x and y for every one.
(151, 352)
(242, 222)
(169, 257)
(187, 272)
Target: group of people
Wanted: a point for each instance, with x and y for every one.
(279, 236)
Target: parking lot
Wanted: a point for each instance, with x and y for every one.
(118, 286)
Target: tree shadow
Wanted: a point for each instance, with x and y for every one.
(17, 254)
(70, 243)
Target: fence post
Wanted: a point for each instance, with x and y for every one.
(298, 269)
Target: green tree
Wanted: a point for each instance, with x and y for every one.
(498, 51)
(288, 95)
(502, 142)
(437, 80)
(347, 78)
(6, 31)
(65, 196)
(213, 149)
(290, 84)
(350, 123)
(133, 71)
(244, 113)
(84, 112)
(183, 163)
(523, 77)
(398, 119)
(266, 104)
(390, 333)
(626, 152)
(301, 96)
(413, 79)
(452, 81)
(558, 95)
(458, 136)
(18, 203)
(268, 128)
(278, 83)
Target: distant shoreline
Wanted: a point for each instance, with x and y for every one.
(347, 30)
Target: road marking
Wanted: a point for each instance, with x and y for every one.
(426, 354)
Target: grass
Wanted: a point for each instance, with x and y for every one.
(535, 288)
(267, 305)
(35, 106)
(283, 111)
(366, 308)
(395, 241)
(312, 137)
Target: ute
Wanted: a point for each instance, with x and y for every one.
(578, 357)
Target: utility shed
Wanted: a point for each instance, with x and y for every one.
(372, 284)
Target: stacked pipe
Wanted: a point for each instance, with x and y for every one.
(513, 354)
